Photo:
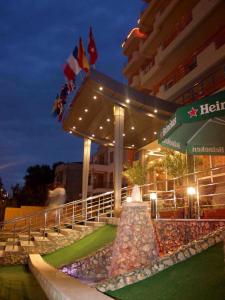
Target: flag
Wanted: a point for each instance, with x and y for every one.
(72, 67)
(82, 58)
(69, 73)
(57, 106)
(92, 50)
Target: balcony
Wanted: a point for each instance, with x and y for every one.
(187, 73)
(207, 86)
(135, 82)
(159, 19)
(133, 64)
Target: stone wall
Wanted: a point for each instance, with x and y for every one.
(162, 263)
(94, 267)
(172, 234)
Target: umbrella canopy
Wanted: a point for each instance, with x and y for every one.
(197, 128)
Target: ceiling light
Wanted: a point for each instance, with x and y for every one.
(132, 127)
(158, 149)
(124, 134)
(101, 88)
(93, 135)
(132, 145)
(155, 132)
(144, 139)
(70, 132)
(74, 127)
(100, 127)
(155, 111)
(86, 110)
(94, 97)
(113, 142)
(108, 120)
(80, 119)
(127, 100)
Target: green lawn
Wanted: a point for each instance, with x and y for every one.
(200, 278)
(17, 283)
(82, 248)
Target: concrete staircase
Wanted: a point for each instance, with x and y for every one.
(16, 249)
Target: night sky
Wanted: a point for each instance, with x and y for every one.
(36, 38)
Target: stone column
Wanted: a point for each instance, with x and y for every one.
(86, 163)
(118, 154)
(135, 245)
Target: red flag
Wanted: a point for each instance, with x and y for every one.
(82, 58)
(92, 50)
(69, 73)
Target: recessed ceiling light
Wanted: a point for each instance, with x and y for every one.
(86, 110)
(80, 119)
(155, 132)
(124, 134)
(127, 100)
(101, 88)
(144, 139)
(100, 127)
(74, 127)
(70, 132)
(94, 97)
(113, 142)
(93, 135)
(108, 120)
(155, 111)
(132, 127)
(132, 145)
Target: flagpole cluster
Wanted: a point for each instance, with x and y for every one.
(76, 62)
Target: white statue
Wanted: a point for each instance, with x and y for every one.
(136, 194)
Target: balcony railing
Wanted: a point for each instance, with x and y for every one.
(190, 63)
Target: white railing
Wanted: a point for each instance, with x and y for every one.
(169, 199)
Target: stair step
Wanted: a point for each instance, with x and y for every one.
(41, 239)
(11, 248)
(27, 244)
(52, 235)
(95, 224)
(82, 227)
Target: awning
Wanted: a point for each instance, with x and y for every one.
(91, 112)
(197, 128)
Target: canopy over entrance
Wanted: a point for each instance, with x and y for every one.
(91, 114)
(197, 128)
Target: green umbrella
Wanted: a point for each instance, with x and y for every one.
(197, 128)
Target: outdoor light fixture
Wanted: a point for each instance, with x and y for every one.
(155, 132)
(86, 110)
(108, 120)
(133, 145)
(127, 100)
(191, 190)
(94, 97)
(144, 139)
(80, 119)
(155, 111)
(129, 199)
(74, 127)
(93, 135)
(132, 127)
(101, 88)
(70, 132)
(124, 134)
(113, 142)
(100, 127)
(153, 196)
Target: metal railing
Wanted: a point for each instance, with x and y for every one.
(168, 199)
